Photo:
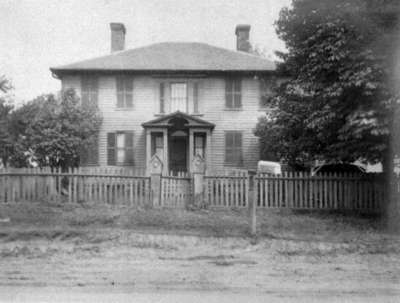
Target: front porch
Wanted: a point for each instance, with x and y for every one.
(176, 139)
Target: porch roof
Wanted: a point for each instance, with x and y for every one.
(192, 121)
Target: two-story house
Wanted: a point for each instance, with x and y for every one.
(175, 100)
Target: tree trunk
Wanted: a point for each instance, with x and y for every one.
(392, 206)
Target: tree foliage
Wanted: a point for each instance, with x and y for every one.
(52, 132)
(5, 110)
(338, 102)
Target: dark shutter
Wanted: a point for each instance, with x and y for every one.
(89, 91)
(83, 156)
(129, 92)
(94, 92)
(84, 91)
(229, 141)
(237, 93)
(129, 148)
(195, 97)
(162, 97)
(93, 157)
(228, 93)
(120, 91)
(238, 148)
(233, 148)
(111, 148)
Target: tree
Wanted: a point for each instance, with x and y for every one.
(53, 132)
(5, 110)
(338, 103)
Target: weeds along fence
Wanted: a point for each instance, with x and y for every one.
(115, 186)
(227, 189)
(338, 191)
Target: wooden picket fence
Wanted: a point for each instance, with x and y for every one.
(176, 190)
(74, 185)
(229, 189)
(339, 191)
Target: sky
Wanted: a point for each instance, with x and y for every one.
(38, 34)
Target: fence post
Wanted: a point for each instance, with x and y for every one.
(198, 169)
(252, 198)
(155, 167)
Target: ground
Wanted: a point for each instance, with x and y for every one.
(60, 252)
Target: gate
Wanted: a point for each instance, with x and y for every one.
(176, 190)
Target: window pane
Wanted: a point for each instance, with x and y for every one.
(178, 97)
(120, 140)
(120, 155)
(199, 141)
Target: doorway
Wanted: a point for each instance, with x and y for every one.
(178, 154)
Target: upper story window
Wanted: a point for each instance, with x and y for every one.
(233, 93)
(89, 90)
(124, 92)
(179, 97)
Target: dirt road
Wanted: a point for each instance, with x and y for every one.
(121, 265)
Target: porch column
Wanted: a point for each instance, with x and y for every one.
(165, 153)
(148, 149)
(208, 150)
(191, 148)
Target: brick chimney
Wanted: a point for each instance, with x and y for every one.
(242, 37)
(117, 37)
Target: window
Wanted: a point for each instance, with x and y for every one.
(178, 97)
(124, 92)
(233, 148)
(199, 144)
(120, 148)
(89, 90)
(233, 93)
(266, 92)
(157, 145)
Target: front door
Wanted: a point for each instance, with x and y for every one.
(178, 154)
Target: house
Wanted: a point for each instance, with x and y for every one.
(175, 100)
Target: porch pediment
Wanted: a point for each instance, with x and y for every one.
(167, 121)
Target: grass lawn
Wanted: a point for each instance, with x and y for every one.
(113, 248)
(53, 218)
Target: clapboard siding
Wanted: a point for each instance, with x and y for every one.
(211, 98)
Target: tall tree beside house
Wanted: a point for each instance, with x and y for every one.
(53, 132)
(339, 102)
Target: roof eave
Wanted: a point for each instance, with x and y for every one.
(63, 71)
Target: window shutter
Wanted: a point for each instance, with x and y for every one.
(120, 91)
(195, 97)
(229, 141)
(83, 156)
(228, 93)
(129, 92)
(237, 93)
(84, 91)
(93, 157)
(233, 148)
(111, 148)
(238, 148)
(129, 148)
(162, 97)
(95, 89)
